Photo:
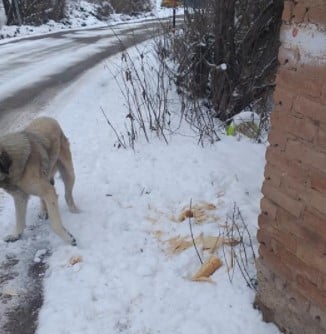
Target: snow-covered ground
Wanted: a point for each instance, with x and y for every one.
(125, 276)
(126, 279)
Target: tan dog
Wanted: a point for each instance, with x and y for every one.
(28, 161)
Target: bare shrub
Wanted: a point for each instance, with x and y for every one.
(131, 7)
(103, 9)
(34, 12)
(242, 256)
(144, 83)
(228, 53)
(147, 83)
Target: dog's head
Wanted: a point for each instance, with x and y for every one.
(5, 163)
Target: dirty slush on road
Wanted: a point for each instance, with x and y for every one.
(22, 269)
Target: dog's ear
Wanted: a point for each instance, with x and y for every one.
(5, 162)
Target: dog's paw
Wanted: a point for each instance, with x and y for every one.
(43, 215)
(72, 240)
(74, 209)
(12, 238)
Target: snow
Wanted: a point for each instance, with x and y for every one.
(246, 116)
(307, 40)
(223, 67)
(121, 278)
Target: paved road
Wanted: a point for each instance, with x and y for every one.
(32, 71)
(35, 69)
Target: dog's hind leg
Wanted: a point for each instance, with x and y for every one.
(20, 200)
(43, 211)
(50, 198)
(66, 169)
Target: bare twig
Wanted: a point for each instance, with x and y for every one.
(192, 234)
(121, 141)
(237, 229)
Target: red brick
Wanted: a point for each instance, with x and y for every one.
(295, 172)
(317, 15)
(297, 302)
(287, 124)
(263, 237)
(317, 314)
(321, 136)
(321, 282)
(318, 201)
(311, 292)
(273, 154)
(294, 189)
(273, 262)
(318, 181)
(287, 11)
(301, 127)
(310, 108)
(277, 136)
(308, 254)
(280, 239)
(299, 13)
(323, 96)
(272, 175)
(273, 235)
(268, 208)
(287, 168)
(304, 81)
(284, 201)
(311, 3)
(278, 117)
(289, 224)
(305, 154)
(283, 98)
(298, 267)
(315, 222)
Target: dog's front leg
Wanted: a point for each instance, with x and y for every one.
(51, 200)
(43, 211)
(20, 199)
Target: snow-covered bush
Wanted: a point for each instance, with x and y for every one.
(131, 7)
(34, 12)
(38, 12)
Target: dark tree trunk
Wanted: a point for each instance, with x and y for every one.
(230, 53)
(222, 83)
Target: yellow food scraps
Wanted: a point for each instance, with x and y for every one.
(207, 269)
(179, 244)
(75, 259)
(198, 212)
(206, 243)
(211, 243)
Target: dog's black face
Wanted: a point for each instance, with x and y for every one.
(5, 163)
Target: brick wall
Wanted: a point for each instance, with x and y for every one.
(292, 224)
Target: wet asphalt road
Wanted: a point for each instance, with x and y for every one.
(29, 77)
